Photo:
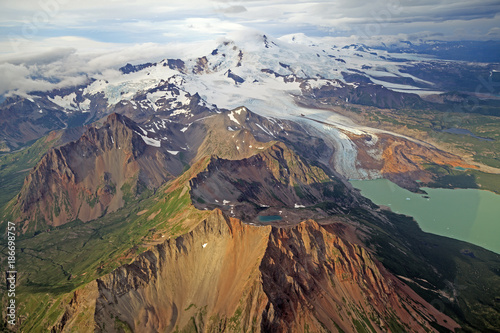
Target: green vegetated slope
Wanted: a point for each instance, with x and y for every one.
(447, 177)
(15, 166)
(54, 263)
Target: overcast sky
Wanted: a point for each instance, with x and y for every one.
(37, 33)
(94, 23)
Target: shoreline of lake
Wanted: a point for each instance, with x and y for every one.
(464, 214)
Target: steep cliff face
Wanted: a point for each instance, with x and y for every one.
(208, 279)
(256, 178)
(226, 276)
(317, 281)
(84, 179)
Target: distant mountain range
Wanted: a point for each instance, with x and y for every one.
(475, 51)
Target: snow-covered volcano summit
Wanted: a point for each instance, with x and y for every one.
(292, 78)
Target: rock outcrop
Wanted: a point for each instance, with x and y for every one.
(273, 180)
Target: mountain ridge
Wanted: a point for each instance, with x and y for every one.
(129, 284)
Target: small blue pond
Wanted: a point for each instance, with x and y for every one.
(270, 218)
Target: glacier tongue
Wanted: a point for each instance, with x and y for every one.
(273, 98)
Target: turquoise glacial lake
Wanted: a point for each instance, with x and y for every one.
(270, 218)
(466, 214)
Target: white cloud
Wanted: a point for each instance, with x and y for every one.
(46, 68)
(494, 31)
(141, 20)
(159, 21)
(232, 9)
(12, 77)
(18, 79)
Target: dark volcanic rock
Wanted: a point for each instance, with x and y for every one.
(129, 68)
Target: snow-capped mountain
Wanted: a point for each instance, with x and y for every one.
(281, 79)
(236, 71)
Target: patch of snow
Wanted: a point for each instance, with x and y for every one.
(318, 83)
(265, 130)
(173, 152)
(225, 202)
(151, 142)
(299, 206)
(85, 105)
(277, 122)
(205, 245)
(231, 116)
(67, 102)
(238, 110)
(180, 111)
(125, 87)
(393, 86)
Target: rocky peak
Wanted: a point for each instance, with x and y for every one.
(116, 120)
(88, 177)
(129, 68)
(176, 64)
(117, 132)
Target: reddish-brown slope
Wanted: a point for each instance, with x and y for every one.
(84, 179)
(402, 160)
